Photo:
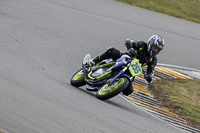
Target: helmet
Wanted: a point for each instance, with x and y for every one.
(155, 44)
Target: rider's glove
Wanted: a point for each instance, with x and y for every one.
(128, 44)
(132, 52)
(149, 78)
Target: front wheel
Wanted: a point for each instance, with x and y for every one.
(109, 91)
(78, 79)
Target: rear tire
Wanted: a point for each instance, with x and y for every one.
(78, 79)
(106, 91)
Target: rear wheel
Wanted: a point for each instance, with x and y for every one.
(78, 79)
(108, 91)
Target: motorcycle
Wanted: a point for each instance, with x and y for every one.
(109, 77)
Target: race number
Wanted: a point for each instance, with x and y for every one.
(135, 67)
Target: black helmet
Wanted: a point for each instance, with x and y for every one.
(158, 42)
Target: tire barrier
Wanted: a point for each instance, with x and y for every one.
(145, 100)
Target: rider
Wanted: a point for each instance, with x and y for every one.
(146, 52)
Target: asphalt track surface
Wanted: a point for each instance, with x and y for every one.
(42, 45)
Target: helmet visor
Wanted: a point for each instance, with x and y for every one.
(155, 48)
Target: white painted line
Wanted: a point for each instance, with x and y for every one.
(4, 131)
(178, 67)
(151, 113)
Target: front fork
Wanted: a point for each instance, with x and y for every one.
(121, 73)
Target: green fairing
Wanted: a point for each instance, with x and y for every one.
(104, 75)
(90, 76)
(108, 64)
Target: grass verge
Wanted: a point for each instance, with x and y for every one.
(185, 9)
(181, 96)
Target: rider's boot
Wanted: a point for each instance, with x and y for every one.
(94, 61)
(91, 63)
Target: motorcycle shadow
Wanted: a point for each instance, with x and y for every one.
(83, 89)
(116, 101)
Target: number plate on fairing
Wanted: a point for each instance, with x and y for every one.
(135, 67)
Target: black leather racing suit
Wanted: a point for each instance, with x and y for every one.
(140, 48)
(143, 55)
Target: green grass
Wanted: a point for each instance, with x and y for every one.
(1, 132)
(185, 9)
(182, 96)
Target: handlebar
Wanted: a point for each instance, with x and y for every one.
(132, 52)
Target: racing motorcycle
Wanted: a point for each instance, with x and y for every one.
(109, 77)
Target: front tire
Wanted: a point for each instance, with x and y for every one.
(78, 79)
(109, 91)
